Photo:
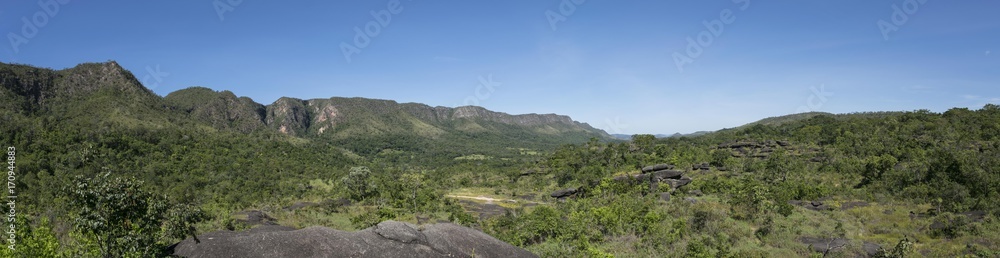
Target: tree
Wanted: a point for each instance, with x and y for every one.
(643, 141)
(720, 158)
(777, 166)
(876, 167)
(414, 181)
(125, 219)
(358, 183)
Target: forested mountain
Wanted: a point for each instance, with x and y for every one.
(107, 93)
(215, 151)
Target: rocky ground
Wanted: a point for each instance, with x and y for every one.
(387, 239)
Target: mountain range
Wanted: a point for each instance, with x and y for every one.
(114, 95)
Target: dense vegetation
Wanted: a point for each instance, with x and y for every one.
(106, 168)
(919, 176)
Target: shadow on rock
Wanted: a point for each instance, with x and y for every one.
(387, 239)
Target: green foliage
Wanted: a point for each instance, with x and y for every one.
(753, 200)
(902, 249)
(396, 160)
(372, 218)
(34, 240)
(179, 221)
(876, 167)
(614, 210)
(120, 215)
(359, 184)
(125, 219)
(458, 215)
(528, 229)
(951, 225)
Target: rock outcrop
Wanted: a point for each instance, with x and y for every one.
(657, 167)
(677, 183)
(758, 149)
(702, 167)
(657, 175)
(813, 205)
(841, 245)
(255, 217)
(387, 239)
(564, 193)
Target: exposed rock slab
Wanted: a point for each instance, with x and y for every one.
(564, 193)
(657, 167)
(824, 245)
(255, 217)
(813, 205)
(387, 239)
(677, 183)
(852, 205)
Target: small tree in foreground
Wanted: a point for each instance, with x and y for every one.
(124, 219)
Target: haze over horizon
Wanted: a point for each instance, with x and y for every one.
(625, 67)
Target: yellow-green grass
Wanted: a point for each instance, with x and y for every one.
(474, 157)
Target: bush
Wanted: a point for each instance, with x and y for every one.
(950, 225)
(34, 241)
(370, 219)
(124, 218)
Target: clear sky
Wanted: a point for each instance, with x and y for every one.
(622, 66)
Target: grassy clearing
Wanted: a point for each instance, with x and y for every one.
(474, 157)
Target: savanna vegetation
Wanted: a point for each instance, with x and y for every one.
(116, 171)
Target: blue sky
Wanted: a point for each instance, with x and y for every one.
(611, 64)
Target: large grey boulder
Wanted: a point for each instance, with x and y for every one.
(387, 239)
(824, 245)
(255, 217)
(654, 176)
(666, 174)
(564, 193)
(657, 167)
(813, 205)
(677, 183)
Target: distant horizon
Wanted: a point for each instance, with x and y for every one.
(164, 94)
(623, 67)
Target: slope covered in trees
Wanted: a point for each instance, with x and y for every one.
(870, 184)
(221, 154)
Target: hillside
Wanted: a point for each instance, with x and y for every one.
(881, 184)
(780, 120)
(106, 93)
(213, 154)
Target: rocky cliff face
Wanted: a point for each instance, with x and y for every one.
(32, 89)
(288, 116)
(91, 77)
(443, 114)
(108, 88)
(326, 114)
